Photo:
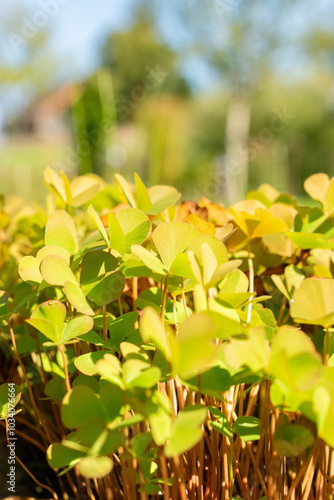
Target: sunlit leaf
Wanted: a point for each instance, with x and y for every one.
(95, 467)
(235, 282)
(182, 267)
(294, 359)
(223, 233)
(29, 270)
(186, 430)
(60, 231)
(194, 350)
(127, 190)
(99, 224)
(110, 368)
(220, 423)
(150, 260)
(162, 197)
(59, 456)
(159, 414)
(316, 186)
(201, 225)
(252, 351)
(84, 188)
(152, 330)
(75, 327)
(77, 298)
(49, 319)
(54, 181)
(143, 199)
(67, 188)
(135, 226)
(56, 271)
(269, 224)
(86, 363)
(171, 238)
(323, 406)
(53, 250)
(116, 235)
(313, 302)
(280, 285)
(217, 248)
(310, 240)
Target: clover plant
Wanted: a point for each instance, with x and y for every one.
(171, 349)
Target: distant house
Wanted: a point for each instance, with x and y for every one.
(45, 118)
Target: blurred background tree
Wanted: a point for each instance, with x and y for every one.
(215, 97)
(140, 65)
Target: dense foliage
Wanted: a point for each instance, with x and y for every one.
(182, 350)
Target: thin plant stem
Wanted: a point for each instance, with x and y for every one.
(251, 285)
(225, 471)
(44, 486)
(69, 309)
(67, 378)
(104, 312)
(192, 473)
(132, 471)
(108, 488)
(175, 312)
(172, 396)
(281, 311)
(120, 306)
(256, 468)
(38, 413)
(26, 437)
(143, 494)
(134, 292)
(180, 477)
(126, 484)
(313, 456)
(29, 424)
(164, 298)
(287, 316)
(331, 472)
(164, 473)
(77, 349)
(183, 295)
(89, 490)
(72, 485)
(230, 468)
(34, 336)
(98, 489)
(252, 399)
(214, 466)
(200, 467)
(327, 347)
(307, 481)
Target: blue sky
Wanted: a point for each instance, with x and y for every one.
(77, 28)
(80, 26)
(77, 31)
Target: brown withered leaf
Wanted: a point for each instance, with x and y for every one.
(216, 213)
(187, 208)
